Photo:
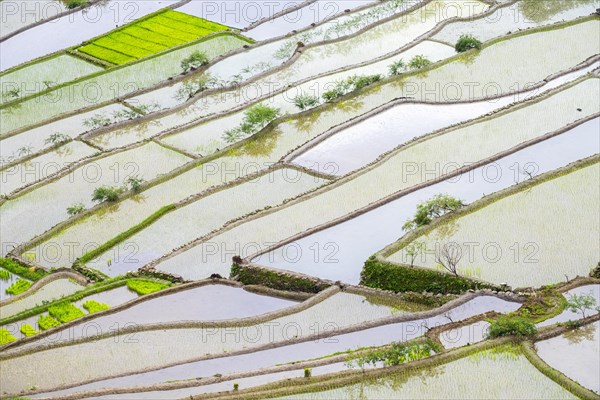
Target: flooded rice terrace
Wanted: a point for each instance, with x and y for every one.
(299, 199)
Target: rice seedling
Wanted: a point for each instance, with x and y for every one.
(18, 287)
(4, 275)
(28, 330)
(93, 306)
(142, 287)
(6, 337)
(46, 322)
(65, 312)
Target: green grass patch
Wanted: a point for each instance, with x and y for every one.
(65, 311)
(4, 275)
(31, 273)
(142, 286)
(46, 322)
(6, 337)
(150, 35)
(28, 330)
(19, 286)
(93, 306)
(105, 54)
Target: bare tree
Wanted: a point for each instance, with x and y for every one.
(449, 256)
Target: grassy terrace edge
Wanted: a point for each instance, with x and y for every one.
(381, 273)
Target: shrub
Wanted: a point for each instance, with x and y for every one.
(467, 42)
(93, 306)
(194, 60)
(304, 101)
(191, 88)
(18, 287)
(31, 273)
(437, 206)
(75, 209)
(398, 278)
(143, 287)
(508, 326)
(236, 387)
(46, 322)
(396, 354)
(255, 118)
(348, 85)
(96, 121)
(106, 193)
(65, 312)
(6, 337)
(28, 330)
(397, 67)
(307, 372)
(134, 183)
(56, 138)
(24, 150)
(70, 4)
(418, 62)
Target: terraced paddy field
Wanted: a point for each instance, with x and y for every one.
(300, 199)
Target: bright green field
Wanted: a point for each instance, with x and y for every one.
(149, 36)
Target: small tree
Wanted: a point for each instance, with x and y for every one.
(304, 101)
(435, 207)
(581, 303)
(397, 67)
(307, 372)
(75, 209)
(467, 42)
(449, 256)
(418, 62)
(194, 60)
(415, 249)
(106, 193)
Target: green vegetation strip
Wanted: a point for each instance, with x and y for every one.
(252, 275)
(403, 278)
(149, 36)
(142, 287)
(90, 255)
(31, 273)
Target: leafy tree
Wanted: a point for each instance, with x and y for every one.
(397, 67)
(418, 62)
(304, 101)
(435, 207)
(56, 138)
(194, 60)
(467, 42)
(581, 303)
(106, 193)
(508, 326)
(75, 209)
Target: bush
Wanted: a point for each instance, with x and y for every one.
(418, 62)
(397, 67)
(56, 138)
(304, 101)
(396, 354)
(28, 330)
(46, 322)
(508, 326)
(18, 287)
(307, 372)
(190, 88)
(194, 60)
(75, 209)
(6, 337)
(70, 4)
(65, 312)
(276, 280)
(93, 306)
(134, 183)
(31, 273)
(255, 118)
(143, 287)
(348, 85)
(398, 278)
(106, 193)
(467, 42)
